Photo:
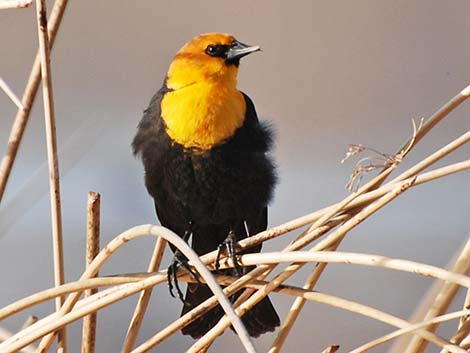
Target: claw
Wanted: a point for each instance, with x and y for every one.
(228, 246)
(172, 274)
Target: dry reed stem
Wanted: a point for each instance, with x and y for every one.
(162, 278)
(359, 201)
(331, 349)
(14, 4)
(5, 334)
(466, 305)
(440, 114)
(465, 344)
(334, 301)
(295, 223)
(293, 314)
(423, 306)
(290, 270)
(311, 281)
(9, 92)
(39, 330)
(411, 329)
(443, 299)
(208, 303)
(29, 321)
(335, 256)
(261, 271)
(461, 333)
(92, 250)
(136, 322)
(96, 303)
(367, 311)
(463, 328)
(22, 115)
(51, 142)
(297, 257)
(314, 276)
(248, 259)
(71, 287)
(355, 307)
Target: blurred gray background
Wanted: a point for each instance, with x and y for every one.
(331, 73)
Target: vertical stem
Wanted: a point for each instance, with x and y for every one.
(144, 298)
(51, 142)
(22, 115)
(92, 250)
(442, 301)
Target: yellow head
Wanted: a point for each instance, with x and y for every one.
(207, 57)
(204, 107)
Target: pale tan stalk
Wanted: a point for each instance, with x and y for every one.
(411, 329)
(23, 338)
(466, 306)
(210, 302)
(359, 309)
(5, 334)
(29, 321)
(362, 199)
(71, 287)
(331, 349)
(32, 86)
(440, 114)
(442, 300)
(290, 270)
(247, 259)
(14, 4)
(51, 143)
(136, 322)
(92, 250)
(162, 279)
(460, 335)
(9, 92)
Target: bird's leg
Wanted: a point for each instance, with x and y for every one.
(179, 260)
(229, 246)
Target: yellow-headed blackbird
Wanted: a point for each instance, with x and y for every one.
(204, 154)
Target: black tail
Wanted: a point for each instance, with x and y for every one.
(260, 319)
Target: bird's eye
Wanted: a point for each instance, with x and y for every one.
(211, 50)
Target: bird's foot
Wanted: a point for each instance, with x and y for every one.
(229, 246)
(179, 260)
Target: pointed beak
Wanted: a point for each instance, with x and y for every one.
(238, 50)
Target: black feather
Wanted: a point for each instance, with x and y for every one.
(218, 190)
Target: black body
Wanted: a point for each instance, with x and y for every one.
(215, 190)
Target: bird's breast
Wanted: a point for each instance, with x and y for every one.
(203, 115)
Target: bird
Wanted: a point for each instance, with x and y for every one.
(208, 166)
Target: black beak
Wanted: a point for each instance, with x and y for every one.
(238, 50)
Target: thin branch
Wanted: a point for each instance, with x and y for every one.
(116, 243)
(51, 143)
(331, 349)
(9, 92)
(22, 115)
(410, 329)
(39, 330)
(461, 333)
(93, 248)
(443, 299)
(144, 298)
(14, 4)
(5, 334)
(290, 270)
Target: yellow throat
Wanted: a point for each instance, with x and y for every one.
(203, 107)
